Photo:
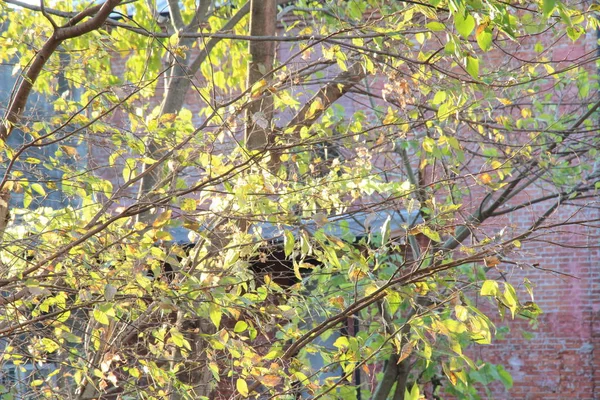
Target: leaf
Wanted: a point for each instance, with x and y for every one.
(101, 317)
(505, 377)
(390, 117)
(162, 219)
(510, 298)
(435, 26)
(129, 169)
(406, 351)
(439, 98)
(188, 205)
(258, 87)
(288, 243)
(430, 233)
(464, 24)
(451, 376)
(240, 326)
(491, 261)
(315, 106)
(548, 7)
(484, 40)
(215, 313)
(70, 150)
(297, 273)
(462, 313)
(219, 80)
(485, 178)
(176, 337)
(394, 300)
(270, 380)
(489, 288)
(473, 66)
(341, 343)
(385, 230)
(414, 393)
(242, 387)
(39, 189)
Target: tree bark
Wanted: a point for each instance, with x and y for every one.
(326, 96)
(263, 22)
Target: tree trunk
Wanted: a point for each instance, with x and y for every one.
(263, 22)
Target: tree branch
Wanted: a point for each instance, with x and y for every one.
(17, 106)
(326, 96)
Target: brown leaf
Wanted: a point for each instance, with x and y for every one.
(481, 28)
(405, 352)
(491, 261)
(270, 380)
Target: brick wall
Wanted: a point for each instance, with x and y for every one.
(562, 359)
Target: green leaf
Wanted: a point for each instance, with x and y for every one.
(505, 377)
(176, 337)
(101, 317)
(484, 40)
(394, 300)
(473, 66)
(27, 198)
(548, 7)
(436, 26)
(430, 233)
(439, 98)
(288, 243)
(129, 169)
(574, 32)
(215, 313)
(240, 326)
(219, 79)
(464, 24)
(489, 288)
(414, 393)
(39, 189)
(510, 298)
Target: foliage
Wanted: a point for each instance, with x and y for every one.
(426, 109)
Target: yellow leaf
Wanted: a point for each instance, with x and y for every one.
(242, 387)
(188, 205)
(168, 117)
(162, 219)
(71, 151)
(390, 117)
(486, 179)
(337, 301)
(258, 87)
(355, 274)
(315, 106)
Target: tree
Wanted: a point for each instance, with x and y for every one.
(388, 117)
